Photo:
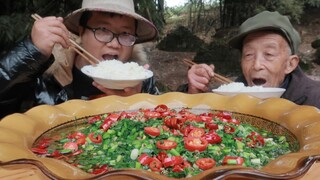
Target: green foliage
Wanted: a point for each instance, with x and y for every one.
(16, 21)
(181, 39)
(55, 7)
(13, 28)
(312, 3)
(291, 8)
(151, 10)
(175, 11)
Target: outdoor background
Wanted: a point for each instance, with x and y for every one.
(195, 29)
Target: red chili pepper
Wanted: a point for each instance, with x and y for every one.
(238, 138)
(77, 152)
(224, 116)
(195, 144)
(55, 153)
(106, 124)
(185, 131)
(155, 165)
(166, 144)
(44, 143)
(113, 117)
(204, 118)
(152, 114)
(161, 108)
(102, 169)
(172, 122)
(229, 129)
(232, 160)
(254, 139)
(162, 155)
(211, 126)
(196, 132)
(144, 159)
(76, 135)
(177, 168)
(173, 160)
(97, 139)
(212, 137)
(205, 163)
(71, 145)
(94, 119)
(39, 150)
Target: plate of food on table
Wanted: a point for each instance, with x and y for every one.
(173, 135)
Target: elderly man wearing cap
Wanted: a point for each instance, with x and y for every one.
(108, 29)
(269, 45)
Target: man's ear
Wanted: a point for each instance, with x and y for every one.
(292, 63)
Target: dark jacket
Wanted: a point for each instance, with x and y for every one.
(299, 88)
(24, 83)
(302, 90)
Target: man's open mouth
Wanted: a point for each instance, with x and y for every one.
(109, 57)
(259, 81)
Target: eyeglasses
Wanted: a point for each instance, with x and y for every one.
(105, 35)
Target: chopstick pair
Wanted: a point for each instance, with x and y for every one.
(217, 76)
(75, 46)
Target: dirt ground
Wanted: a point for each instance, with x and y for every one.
(170, 71)
(168, 68)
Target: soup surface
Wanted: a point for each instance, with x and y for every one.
(173, 142)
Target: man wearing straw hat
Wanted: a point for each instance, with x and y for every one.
(269, 45)
(108, 29)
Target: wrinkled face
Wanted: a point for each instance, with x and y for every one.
(112, 50)
(266, 59)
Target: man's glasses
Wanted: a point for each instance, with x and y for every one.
(105, 35)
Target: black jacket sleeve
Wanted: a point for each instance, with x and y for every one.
(149, 86)
(19, 68)
(22, 64)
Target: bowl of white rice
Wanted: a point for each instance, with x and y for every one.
(235, 88)
(114, 74)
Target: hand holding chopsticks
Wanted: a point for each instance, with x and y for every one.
(76, 47)
(217, 76)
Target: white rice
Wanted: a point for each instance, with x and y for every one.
(238, 87)
(117, 70)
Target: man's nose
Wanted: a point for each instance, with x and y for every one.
(258, 62)
(114, 43)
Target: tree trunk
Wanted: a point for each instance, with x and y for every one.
(161, 10)
(190, 14)
(200, 9)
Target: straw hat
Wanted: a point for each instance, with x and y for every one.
(267, 20)
(146, 31)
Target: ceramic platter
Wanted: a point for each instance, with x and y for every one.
(18, 132)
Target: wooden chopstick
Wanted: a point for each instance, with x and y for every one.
(217, 76)
(75, 46)
(83, 55)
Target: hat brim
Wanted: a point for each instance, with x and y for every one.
(237, 41)
(146, 31)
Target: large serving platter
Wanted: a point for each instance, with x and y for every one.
(19, 131)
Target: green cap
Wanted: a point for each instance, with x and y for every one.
(267, 20)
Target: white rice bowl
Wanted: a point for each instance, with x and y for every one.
(235, 88)
(114, 74)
